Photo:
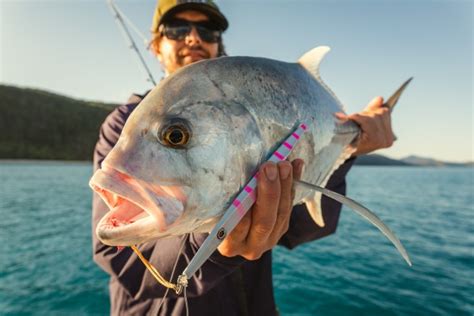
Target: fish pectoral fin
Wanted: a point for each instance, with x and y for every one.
(314, 209)
(362, 211)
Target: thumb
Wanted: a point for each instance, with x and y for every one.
(376, 103)
(341, 116)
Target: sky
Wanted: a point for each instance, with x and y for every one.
(74, 47)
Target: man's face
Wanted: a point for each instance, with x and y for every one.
(174, 54)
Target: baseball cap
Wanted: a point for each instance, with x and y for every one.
(167, 8)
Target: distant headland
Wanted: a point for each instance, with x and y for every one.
(379, 160)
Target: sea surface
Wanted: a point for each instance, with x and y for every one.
(46, 265)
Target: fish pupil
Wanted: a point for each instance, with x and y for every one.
(176, 136)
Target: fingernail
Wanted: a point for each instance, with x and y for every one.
(301, 167)
(284, 171)
(271, 172)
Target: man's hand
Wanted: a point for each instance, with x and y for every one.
(376, 127)
(264, 224)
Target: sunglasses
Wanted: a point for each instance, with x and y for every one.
(177, 30)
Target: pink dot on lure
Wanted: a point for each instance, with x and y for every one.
(279, 156)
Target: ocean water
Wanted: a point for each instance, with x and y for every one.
(46, 265)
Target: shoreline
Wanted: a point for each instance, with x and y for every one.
(89, 162)
(45, 161)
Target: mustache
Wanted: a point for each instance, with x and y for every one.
(197, 48)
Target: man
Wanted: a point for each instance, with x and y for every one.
(237, 279)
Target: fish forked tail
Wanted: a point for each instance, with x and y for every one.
(362, 211)
(392, 101)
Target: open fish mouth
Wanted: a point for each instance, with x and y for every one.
(138, 211)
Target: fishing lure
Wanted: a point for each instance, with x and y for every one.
(234, 213)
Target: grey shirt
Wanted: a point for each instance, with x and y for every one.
(223, 286)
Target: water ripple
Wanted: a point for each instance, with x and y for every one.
(46, 265)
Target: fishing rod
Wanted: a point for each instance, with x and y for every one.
(121, 22)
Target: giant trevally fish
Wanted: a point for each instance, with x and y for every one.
(196, 139)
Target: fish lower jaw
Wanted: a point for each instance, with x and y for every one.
(127, 222)
(139, 210)
(114, 231)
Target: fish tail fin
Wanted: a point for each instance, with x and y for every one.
(362, 211)
(392, 101)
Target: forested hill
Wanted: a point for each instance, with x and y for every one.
(35, 124)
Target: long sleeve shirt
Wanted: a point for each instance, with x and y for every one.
(223, 285)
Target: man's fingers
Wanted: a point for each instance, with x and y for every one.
(388, 133)
(268, 220)
(376, 103)
(341, 116)
(363, 120)
(286, 201)
(375, 123)
(298, 165)
(240, 232)
(264, 212)
(234, 243)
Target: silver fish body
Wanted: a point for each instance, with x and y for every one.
(235, 110)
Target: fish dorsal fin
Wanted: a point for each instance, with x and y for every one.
(312, 59)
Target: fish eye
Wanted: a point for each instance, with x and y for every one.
(175, 134)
